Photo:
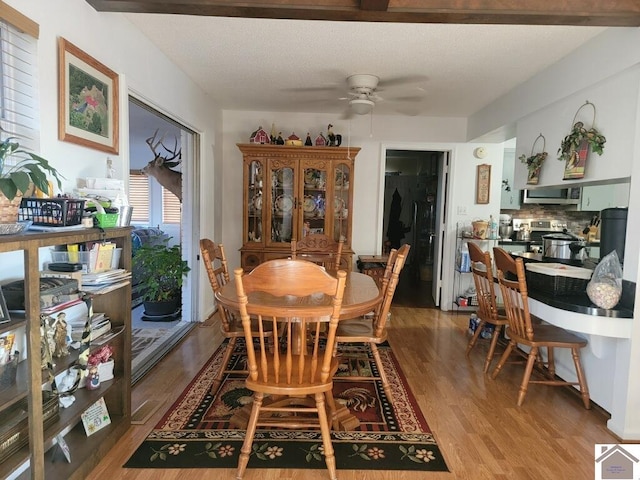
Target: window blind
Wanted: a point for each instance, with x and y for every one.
(171, 207)
(19, 114)
(139, 197)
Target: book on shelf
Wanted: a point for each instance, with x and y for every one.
(75, 310)
(104, 254)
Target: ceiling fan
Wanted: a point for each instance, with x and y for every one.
(363, 90)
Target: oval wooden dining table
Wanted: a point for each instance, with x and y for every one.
(361, 295)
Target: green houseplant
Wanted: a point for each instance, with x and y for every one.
(29, 169)
(20, 171)
(162, 272)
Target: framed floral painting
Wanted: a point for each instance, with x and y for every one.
(87, 100)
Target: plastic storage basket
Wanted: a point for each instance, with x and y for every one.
(107, 220)
(557, 278)
(55, 212)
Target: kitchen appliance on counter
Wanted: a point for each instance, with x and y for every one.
(613, 229)
(563, 246)
(531, 230)
(505, 229)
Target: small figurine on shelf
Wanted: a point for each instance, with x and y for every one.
(93, 378)
(321, 141)
(60, 336)
(280, 140)
(308, 142)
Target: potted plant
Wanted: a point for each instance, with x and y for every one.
(162, 271)
(19, 177)
(534, 164)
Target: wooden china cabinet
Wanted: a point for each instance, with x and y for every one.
(290, 192)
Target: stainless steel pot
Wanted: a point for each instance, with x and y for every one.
(563, 246)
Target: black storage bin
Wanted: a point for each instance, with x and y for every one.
(613, 229)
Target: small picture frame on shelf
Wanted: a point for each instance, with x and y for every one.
(483, 183)
(4, 312)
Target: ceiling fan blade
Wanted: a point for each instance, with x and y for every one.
(405, 80)
(407, 98)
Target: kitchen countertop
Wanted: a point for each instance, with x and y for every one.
(580, 303)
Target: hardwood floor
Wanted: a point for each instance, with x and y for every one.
(480, 430)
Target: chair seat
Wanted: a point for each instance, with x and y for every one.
(356, 330)
(294, 388)
(552, 336)
(235, 328)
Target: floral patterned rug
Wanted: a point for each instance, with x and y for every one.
(196, 432)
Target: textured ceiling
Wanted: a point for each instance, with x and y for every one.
(302, 65)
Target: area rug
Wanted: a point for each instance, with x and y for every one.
(196, 432)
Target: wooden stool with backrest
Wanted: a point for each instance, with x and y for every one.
(215, 263)
(320, 249)
(522, 331)
(372, 330)
(488, 313)
(301, 364)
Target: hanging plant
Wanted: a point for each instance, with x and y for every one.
(534, 161)
(579, 134)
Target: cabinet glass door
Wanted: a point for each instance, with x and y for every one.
(282, 204)
(255, 202)
(341, 202)
(314, 199)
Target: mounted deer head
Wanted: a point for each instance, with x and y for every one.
(160, 166)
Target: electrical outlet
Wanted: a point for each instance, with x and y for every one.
(462, 209)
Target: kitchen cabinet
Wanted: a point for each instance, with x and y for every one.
(598, 197)
(290, 192)
(509, 199)
(85, 451)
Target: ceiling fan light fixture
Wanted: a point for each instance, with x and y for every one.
(361, 106)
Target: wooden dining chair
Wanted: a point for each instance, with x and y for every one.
(371, 329)
(320, 249)
(295, 378)
(488, 313)
(215, 263)
(522, 331)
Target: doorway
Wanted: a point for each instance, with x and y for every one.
(157, 215)
(412, 205)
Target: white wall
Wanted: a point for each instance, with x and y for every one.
(112, 40)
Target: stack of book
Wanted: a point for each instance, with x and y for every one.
(103, 282)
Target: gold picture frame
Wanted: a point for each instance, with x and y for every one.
(88, 109)
(483, 183)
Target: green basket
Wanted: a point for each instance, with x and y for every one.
(107, 220)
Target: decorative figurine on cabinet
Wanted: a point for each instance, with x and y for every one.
(321, 141)
(334, 139)
(259, 136)
(308, 142)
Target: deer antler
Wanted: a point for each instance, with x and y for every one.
(166, 160)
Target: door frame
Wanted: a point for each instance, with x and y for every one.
(442, 205)
(189, 222)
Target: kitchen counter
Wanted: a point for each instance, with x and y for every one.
(580, 303)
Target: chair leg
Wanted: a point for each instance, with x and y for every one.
(217, 381)
(474, 338)
(492, 348)
(245, 451)
(584, 389)
(503, 359)
(383, 376)
(527, 374)
(329, 456)
(551, 362)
